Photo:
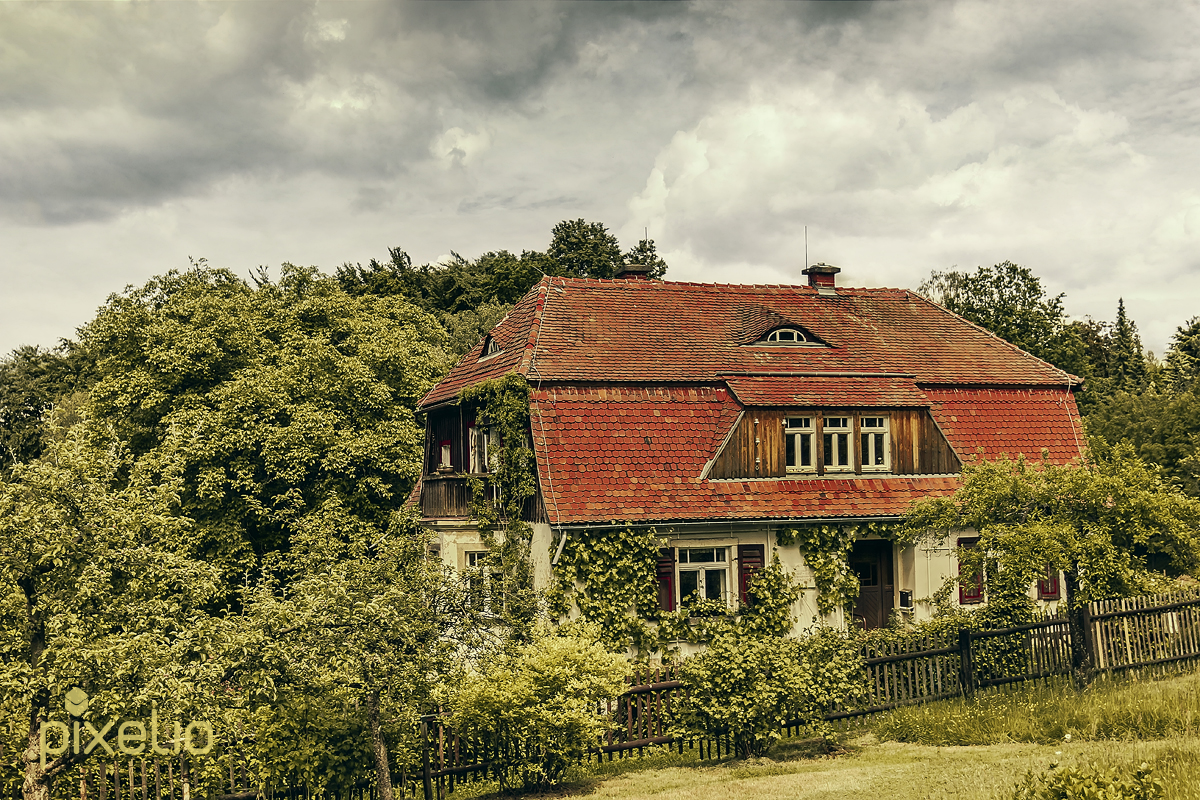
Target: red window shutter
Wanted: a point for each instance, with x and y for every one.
(750, 560)
(968, 595)
(666, 579)
(1048, 589)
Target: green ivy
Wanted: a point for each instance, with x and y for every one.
(610, 577)
(503, 404)
(826, 550)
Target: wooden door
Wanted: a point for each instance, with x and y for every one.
(872, 561)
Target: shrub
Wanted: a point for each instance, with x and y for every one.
(535, 704)
(751, 686)
(1091, 783)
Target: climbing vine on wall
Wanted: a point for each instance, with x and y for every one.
(610, 577)
(826, 550)
(497, 502)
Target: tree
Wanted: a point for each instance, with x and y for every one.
(645, 253)
(1008, 300)
(95, 593)
(276, 402)
(1110, 524)
(31, 380)
(580, 249)
(368, 615)
(1183, 357)
(1162, 427)
(1128, 357)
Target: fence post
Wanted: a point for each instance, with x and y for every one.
(426, 778)
(1089, 639)
(966, 663)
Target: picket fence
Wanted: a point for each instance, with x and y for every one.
(1143, 632)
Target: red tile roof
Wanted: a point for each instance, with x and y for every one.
(637, 383)
(827, 391)
(981, 422)
(636, 454)
(576, 329)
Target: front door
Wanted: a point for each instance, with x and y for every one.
(872, 561)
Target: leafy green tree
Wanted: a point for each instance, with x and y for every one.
(580, 249)
(368, 618)
(535, 704)
(96, 593)
(753, 685)
(276, 402)
(1109, 525)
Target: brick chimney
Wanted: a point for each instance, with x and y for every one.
(634, 272)
(821, 277)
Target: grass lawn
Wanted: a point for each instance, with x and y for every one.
(954, 749)
(874, 770)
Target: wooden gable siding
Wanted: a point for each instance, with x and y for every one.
(755, 448)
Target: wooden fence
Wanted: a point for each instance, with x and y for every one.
(1119, 634)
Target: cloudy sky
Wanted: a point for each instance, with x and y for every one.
(907, 136)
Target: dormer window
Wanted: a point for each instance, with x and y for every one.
(786, 336)
(490, 348)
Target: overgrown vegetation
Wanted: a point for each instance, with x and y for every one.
(751, 685)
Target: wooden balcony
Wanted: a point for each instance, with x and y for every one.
(449, 497)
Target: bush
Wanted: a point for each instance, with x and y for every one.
(535, 704)
(1091, 783)
(751, 686)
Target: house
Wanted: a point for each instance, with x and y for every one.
(725, 414)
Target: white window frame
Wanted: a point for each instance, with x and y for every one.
(723, 568)
(830, 448)
(797, 336)
(872, 438)
(795, 431)
(479, 580)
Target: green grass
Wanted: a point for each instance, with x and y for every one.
(1047, 713)
(951, 749)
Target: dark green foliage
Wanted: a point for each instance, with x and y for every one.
(1128, 359)
(753, 685)
(580, 249)
(1163, 428)
(1182, 367)
(31, 381)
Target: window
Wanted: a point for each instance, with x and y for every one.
(799, 435)
(876, 444)
(490, 348)
(478, 581)
(480, 438)
(972, 592)
(839, 452)
(444, 464)
(750, 561)
(786, 336)
(1048, 588)
(703, 574)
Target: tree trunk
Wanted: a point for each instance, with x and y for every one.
(1081, 656)
(36, 785)
(383, 776)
